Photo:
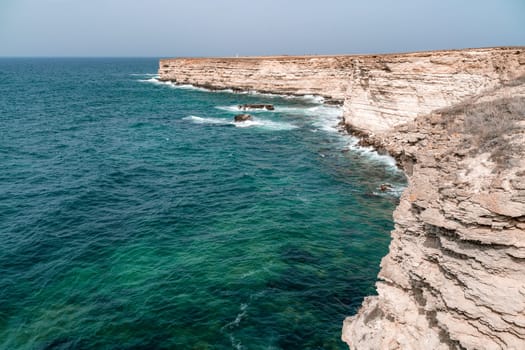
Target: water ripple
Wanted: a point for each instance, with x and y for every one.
(124, 222)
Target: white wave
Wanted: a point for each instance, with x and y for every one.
(234, 109)
(201, 120)
(309, 98)
(250, 273)
(371, 154)
(239, 316)
(315, 110)
(394, 190)
(188, 87)
(328, 119)
(398, 190)
(265, 124)
(236, 344)
(155, 80)
(324, 118)
(314, 98)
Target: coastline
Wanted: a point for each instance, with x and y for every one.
(210, 88)
(459, 228)
(461, 210)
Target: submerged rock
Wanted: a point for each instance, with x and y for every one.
(242, 118)
(249, 106)
(385, 187)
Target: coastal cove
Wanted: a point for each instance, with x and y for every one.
(136, 212)
(454, 274)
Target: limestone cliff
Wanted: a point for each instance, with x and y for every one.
(389, 90)
(454, 277)
(325, 76)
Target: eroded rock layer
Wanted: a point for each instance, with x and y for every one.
(389, 90)
(454, 277)
(325, 76)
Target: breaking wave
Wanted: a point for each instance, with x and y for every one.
(261, 123)
(155, 80)
(373, 155)
(325, 118)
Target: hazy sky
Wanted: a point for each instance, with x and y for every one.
(259, 27)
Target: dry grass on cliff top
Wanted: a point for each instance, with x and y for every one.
(496, 127)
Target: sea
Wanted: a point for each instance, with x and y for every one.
(135, 214)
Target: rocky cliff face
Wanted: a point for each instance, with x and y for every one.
(389, 90)
(454, 277)
(325, 76)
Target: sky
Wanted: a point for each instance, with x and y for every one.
(170, 28)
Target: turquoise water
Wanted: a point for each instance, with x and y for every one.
(134, 214)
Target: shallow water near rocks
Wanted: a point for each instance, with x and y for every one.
(135, 214)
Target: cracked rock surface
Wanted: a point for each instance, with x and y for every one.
(454, 277)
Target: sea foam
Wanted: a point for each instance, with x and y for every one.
(261, 123)
(155, 80)
(372, 154)
(323, 117)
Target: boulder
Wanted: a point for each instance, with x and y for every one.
(242, 118)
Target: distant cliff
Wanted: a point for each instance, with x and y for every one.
(454, 277)
(325, 76)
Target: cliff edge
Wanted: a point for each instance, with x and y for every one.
(454, 277)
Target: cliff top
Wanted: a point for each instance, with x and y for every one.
(365, 55)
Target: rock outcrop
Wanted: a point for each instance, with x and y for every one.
(454, 277)
(239, 118)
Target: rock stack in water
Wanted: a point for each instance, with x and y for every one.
(239, 118)
(248, 106)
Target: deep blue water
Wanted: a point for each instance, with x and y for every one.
(134, 214)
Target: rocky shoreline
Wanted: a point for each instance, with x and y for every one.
(454, 120)
(454, 277)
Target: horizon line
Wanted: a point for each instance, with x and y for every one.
(262, 56)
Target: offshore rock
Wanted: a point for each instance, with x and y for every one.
(242, 118)
(248, 106)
